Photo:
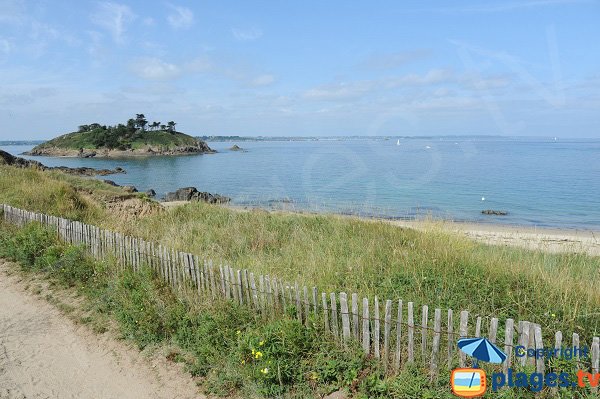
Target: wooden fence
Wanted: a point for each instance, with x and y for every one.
(395, 332)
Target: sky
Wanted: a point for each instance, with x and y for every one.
(303, 68)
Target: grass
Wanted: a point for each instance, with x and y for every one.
(335, 253)
(229, 347)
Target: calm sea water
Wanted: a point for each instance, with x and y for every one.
(539, 182)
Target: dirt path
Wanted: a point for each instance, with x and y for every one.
(43, 354)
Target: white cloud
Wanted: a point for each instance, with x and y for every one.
(155, 69)
(114, 18)
(394, 60)
(340, 91)
(181, 18)
(12, 11)
(5, 46)
(245, 35)
(149, 21)
(262, 80)
(356, 89)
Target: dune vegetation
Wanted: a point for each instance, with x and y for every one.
(334, 253)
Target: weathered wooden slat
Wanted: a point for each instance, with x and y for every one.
(325, 311)
(595, 359)
(493, 330)
(411, 333)
(239, 285)
(524, 339)
(398, 358)
(366, 335)
(261, 292)
(462, 332)
(435, 346)
(334, 316)
(376, 329)
(539, 345)
(450, 329)
(314, 301)
(306, 305)
(387, 329)
(508, 344)
(355, 325)
(478, 327)
(424, 318)
(345, 316)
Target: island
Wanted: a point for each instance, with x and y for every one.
(137, 137)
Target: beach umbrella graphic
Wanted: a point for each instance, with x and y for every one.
(481, 349)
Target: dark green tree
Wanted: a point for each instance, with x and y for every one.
(140, 121)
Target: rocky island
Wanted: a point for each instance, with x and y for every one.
(137, 137)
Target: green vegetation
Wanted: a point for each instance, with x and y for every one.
(136, 134)
(234, 350)
(334, 253)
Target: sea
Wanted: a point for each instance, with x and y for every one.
(542, 182)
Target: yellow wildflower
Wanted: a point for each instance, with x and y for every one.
(265, 370)
(258, 354)
(261, 343)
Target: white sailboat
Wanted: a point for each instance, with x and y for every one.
(398, 142)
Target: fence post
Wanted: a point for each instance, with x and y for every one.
(437, 327)
(595, 358)
(524, 339)
(366, 335)
(355, 326)
(463, 331)
(508, 343)
(325, 311)
(411, 333)
(399, 335)
(345, 316)
(387, 328)
(539, 345)
(450, 337)
(376, 330)
(424, 318)
(334, 316)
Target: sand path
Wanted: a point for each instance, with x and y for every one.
(43, 354)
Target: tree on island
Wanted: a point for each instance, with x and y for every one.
(171, 126)
(140, 121)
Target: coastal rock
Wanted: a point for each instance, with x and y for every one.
(11, 160)
(235, 147)
(84, 171)
(192, 194)
(494, 212)
(130, 189)
(8, 159)
(111, 183)
(151, 193)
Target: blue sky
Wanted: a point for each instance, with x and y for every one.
(303, 68)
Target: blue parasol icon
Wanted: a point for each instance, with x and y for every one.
(481, 349)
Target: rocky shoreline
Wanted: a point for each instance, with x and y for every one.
(192, 194)
(11, 160)
(201, 148)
